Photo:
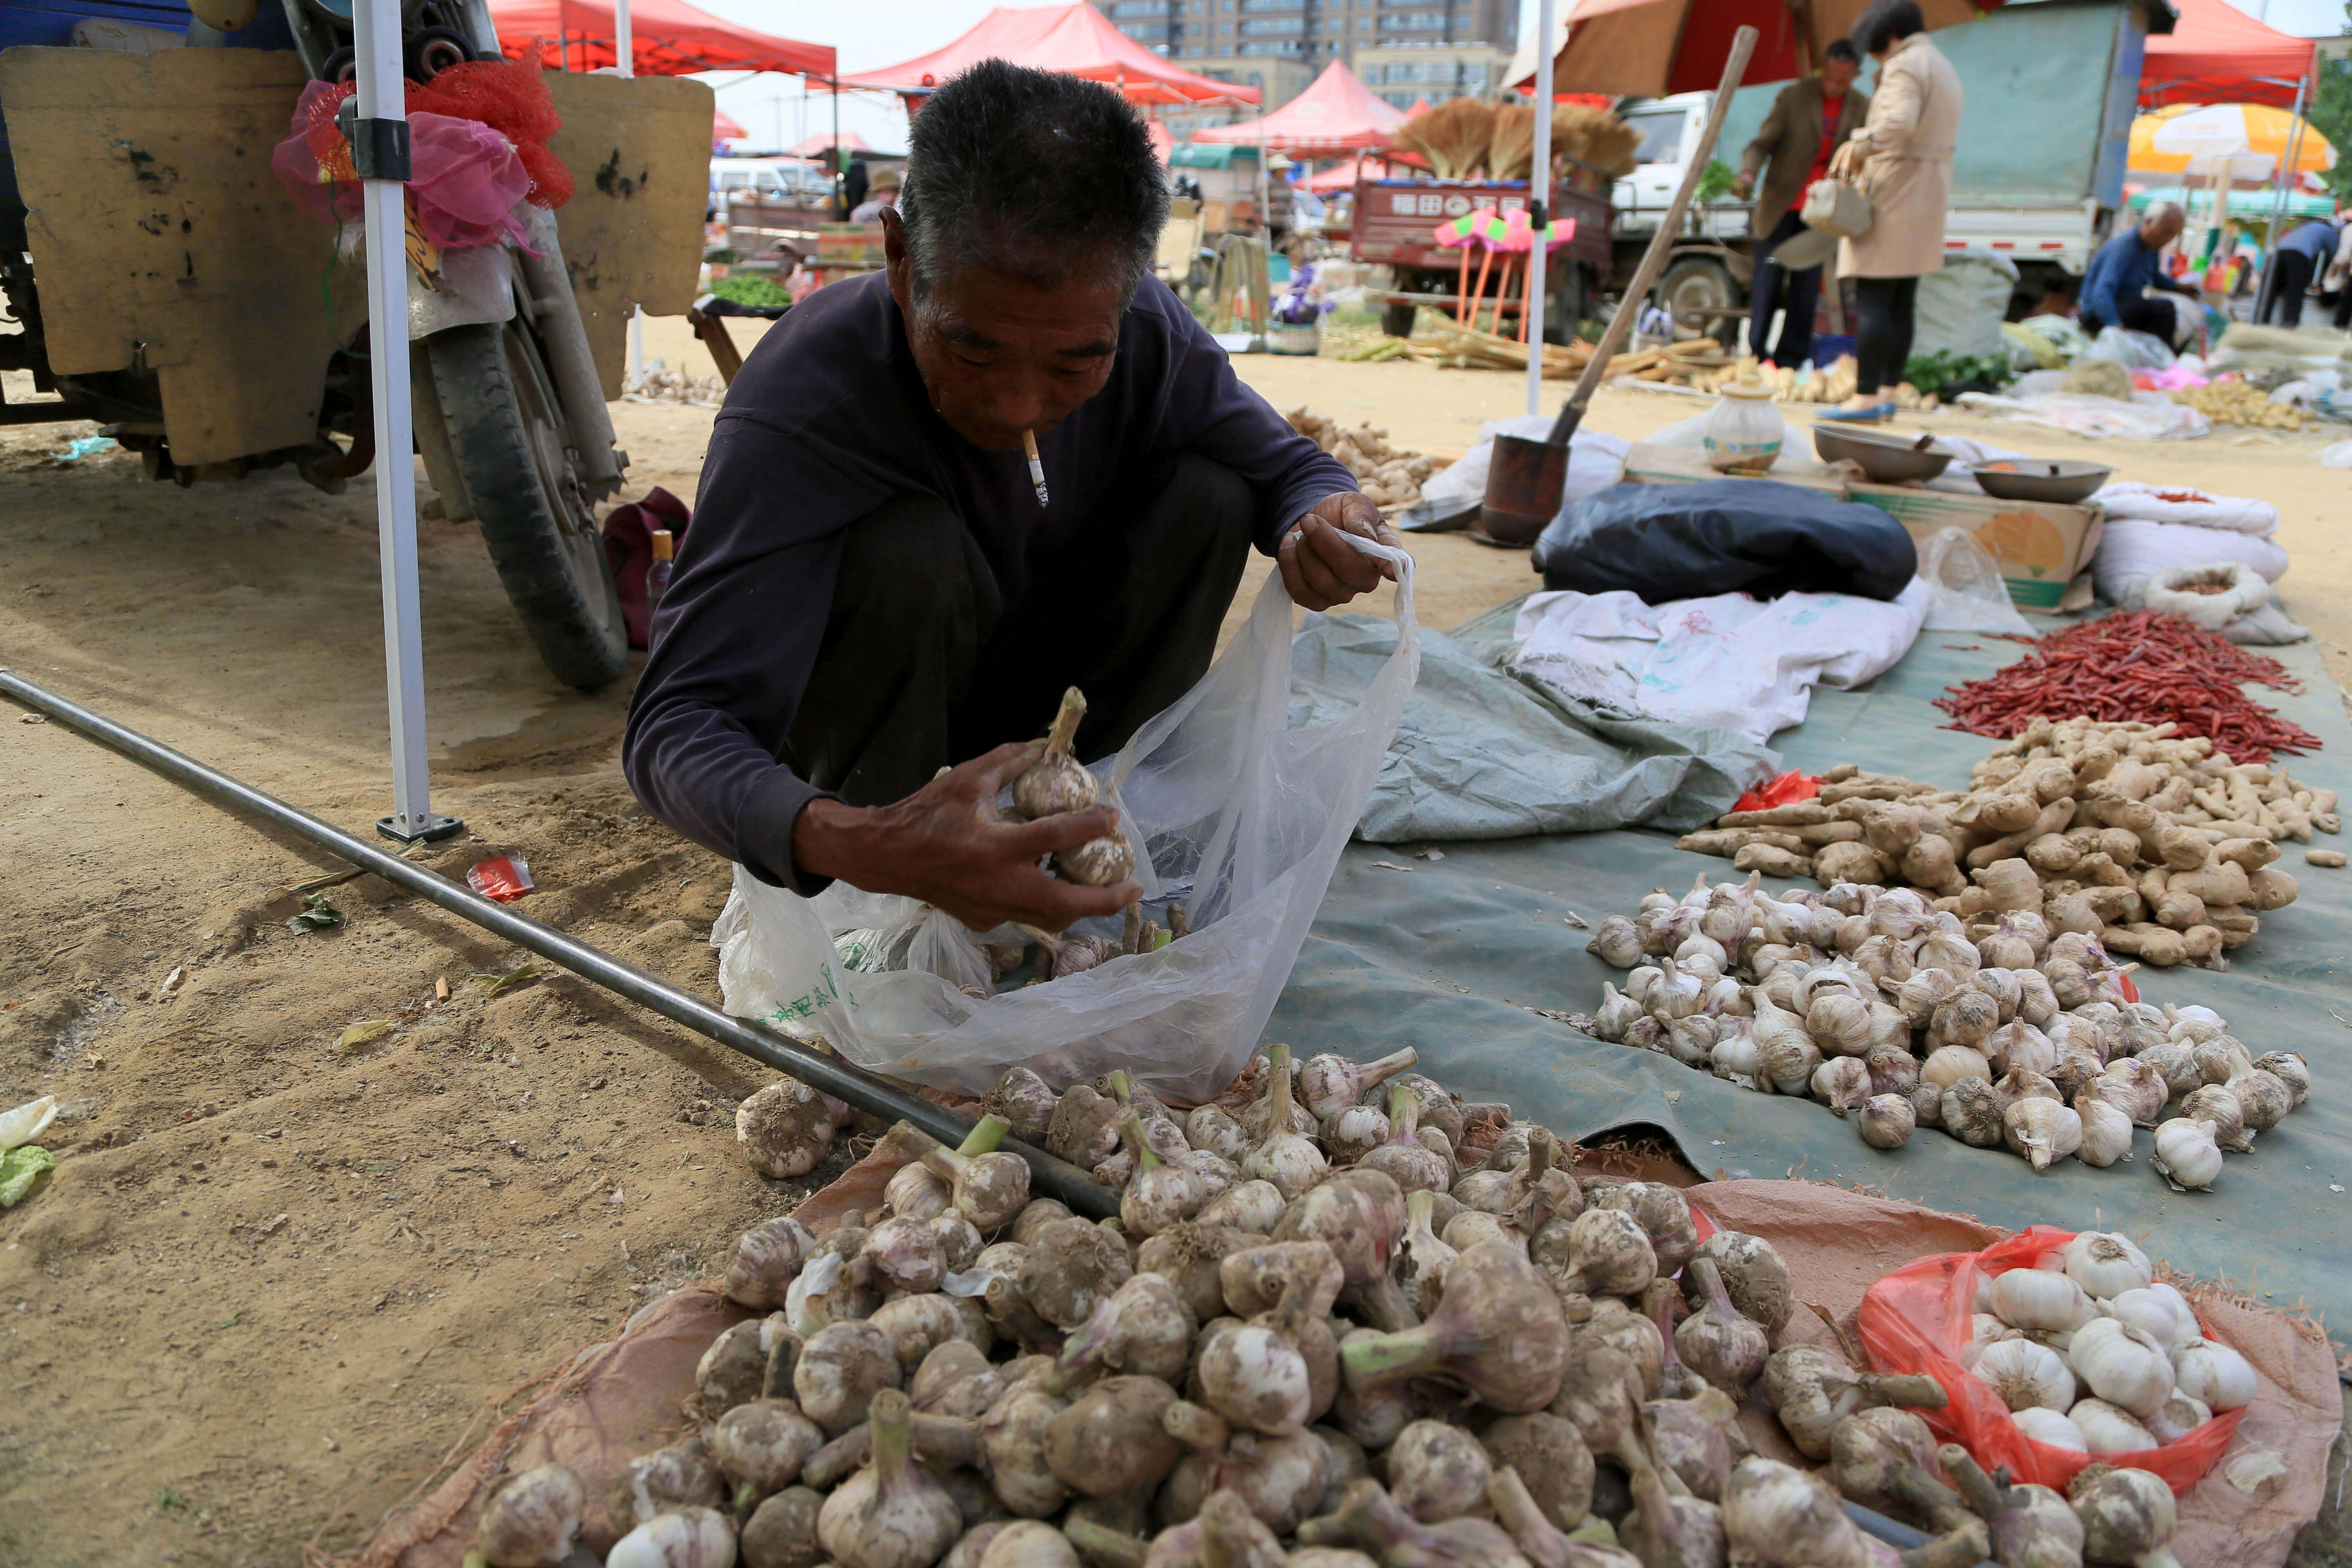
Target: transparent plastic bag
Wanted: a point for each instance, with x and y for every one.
(2131, 350)
(1236, 816)
(1965, 587)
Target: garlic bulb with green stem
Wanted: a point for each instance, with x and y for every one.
(2187, 1154)
(2026, 1375)
(2215, 1375)
(2031, 1526)
(1498, 1332)
(1754, 1275)
(1402, 1158)
(891, 1514)
(1288, 1159)
(1812, 1390)
(2127, 1516)
(1327, 1084)
(1725, 1347)
(1885, 1458)
(1422, 1257)
(1161, 1195)
(1354, 1133)
(2108, 1428)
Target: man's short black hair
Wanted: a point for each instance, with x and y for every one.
(1039, 173)
(1844, 49)
(1887, 22)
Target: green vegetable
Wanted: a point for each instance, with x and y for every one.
(1715, 181)
(756, 291)
(19, 1169)
(317, 915)
(1933, 373)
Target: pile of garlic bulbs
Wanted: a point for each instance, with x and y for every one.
(1342, 1321)
(1389, 476)
(2092, 1352)
(1902, 1015)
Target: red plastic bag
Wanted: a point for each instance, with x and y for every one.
(1917, 1319)
(1787, 787)
(505, 878)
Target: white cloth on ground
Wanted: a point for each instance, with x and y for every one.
(2186, 504)
(1595, 461)
(1729, 661)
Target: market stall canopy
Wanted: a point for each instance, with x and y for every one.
(2251, 138)
(2254, 205)
(2218, 54)
(668, 37)
(1337, 113)
(1344, 177)
(1078, 39)
(1652, 47)
(723, 129)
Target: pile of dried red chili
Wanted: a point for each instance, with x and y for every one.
(2141, 667)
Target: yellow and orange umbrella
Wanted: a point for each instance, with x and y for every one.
(2251, 140)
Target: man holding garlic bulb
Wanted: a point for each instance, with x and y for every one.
(876, 605)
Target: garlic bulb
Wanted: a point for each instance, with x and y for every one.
(2003, 987)
(1616, 942)
(1984, 1329)
(2026, 1375)
(1673, 995)
(2263, 1097)
(1057, 782)
(2104, 1263)
(2106, 1131)
(2127, 1515)
(2180, 1417)
(1886, 1120)
(1947, 1065)
(2043, 1131)
(2171, 1058)
(1841, 1083)
(2051, 1427)
(532, 1520)
(2018, 1044)
(1971, 1112)
(687, 1538)
(2215, 1375)
(1641, 981)
(2038, 1298)
(1839, 1022)
(2122, 1366)
(2036, 1003)
(2289, 1069)
(2160, 1312)
(2107, 1429)
(2186, 1154)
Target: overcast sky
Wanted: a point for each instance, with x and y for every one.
(871, 33)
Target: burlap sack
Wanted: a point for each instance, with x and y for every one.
(617, 1400)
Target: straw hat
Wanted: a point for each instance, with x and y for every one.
(885, 180)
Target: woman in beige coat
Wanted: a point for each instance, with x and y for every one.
(1902, 158)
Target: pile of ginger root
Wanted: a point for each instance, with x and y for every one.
(1389, 476)
(2153, 843)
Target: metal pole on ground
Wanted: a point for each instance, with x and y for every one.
(1539, 209)
(884, 1098)
(379, 138)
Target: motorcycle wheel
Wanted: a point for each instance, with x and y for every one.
(508, 439)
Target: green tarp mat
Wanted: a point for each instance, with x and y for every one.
(1451, 956)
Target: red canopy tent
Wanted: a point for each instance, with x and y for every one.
(824, 142)
(1078, 39)
(1337, 113)
(2218, 54)
(668, 37)
(1654, 48)
(723, 128)
(1343, 176)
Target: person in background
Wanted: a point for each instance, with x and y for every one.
(1902, 157)
(1810, 120)
(2116, 284)
(854, 188)
(2057, 298)
(885, 195)
(2307, 250)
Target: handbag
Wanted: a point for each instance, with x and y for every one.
(1836, 208)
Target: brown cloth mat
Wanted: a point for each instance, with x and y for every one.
(614, 1401)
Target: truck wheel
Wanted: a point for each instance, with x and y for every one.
(1696, 286)
(507, 436)
(1396, 318)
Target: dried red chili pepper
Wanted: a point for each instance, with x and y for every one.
(2140, 667)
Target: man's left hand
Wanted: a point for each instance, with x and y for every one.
(1321, 569)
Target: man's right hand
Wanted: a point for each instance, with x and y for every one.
(947, 846)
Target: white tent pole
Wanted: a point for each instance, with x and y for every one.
(625, 64)
(380, 147)
(1539, 208)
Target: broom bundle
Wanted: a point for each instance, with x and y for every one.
(1594, 136)
(1454, 137)
(1511, 144)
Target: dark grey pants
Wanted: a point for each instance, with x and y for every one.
(924, 665)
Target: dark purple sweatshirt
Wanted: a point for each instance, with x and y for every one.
(827, 420)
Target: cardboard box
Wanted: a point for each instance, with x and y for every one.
(2041, 546)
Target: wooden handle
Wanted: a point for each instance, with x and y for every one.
(1654, 260)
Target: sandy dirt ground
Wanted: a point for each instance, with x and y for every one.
(274, 1280)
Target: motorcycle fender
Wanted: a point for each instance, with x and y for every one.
(477, 286)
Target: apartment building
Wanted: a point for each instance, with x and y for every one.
(1309, 32)
(1400, 73)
